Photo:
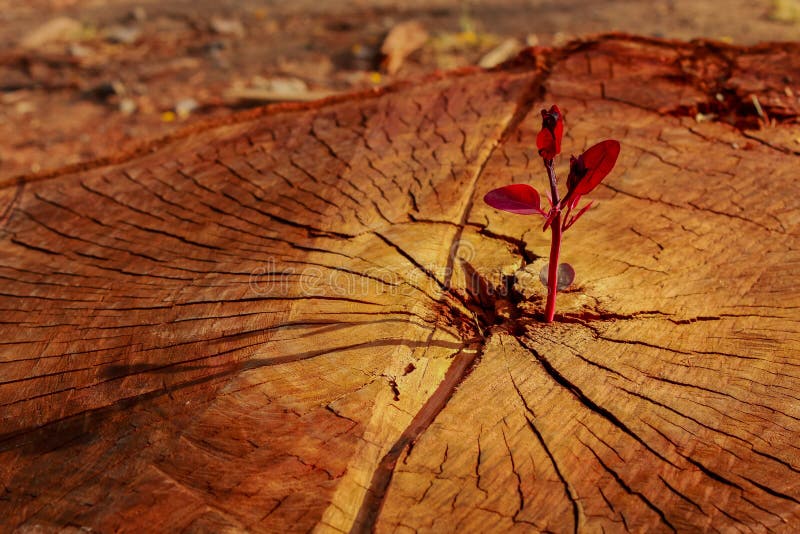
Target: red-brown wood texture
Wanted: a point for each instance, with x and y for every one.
(306, 318)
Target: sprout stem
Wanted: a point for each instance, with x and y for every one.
(555, 246)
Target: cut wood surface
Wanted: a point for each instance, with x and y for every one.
(306, 318)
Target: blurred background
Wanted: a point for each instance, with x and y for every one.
(82, 78)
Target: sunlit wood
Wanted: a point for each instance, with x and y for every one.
(305, 317)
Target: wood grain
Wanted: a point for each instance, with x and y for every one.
(304, 318)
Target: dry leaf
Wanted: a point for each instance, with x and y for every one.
(122, 34)
(505, 50)
(401, 41)
(232, 27)
(271, 95)
(58, 29)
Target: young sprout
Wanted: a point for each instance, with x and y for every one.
(585, 173)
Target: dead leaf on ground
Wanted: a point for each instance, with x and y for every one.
(57, 29)
(224, 26)
(505, 50)
(276, 90)
(401, 41)
(265, 95)
(122, 34)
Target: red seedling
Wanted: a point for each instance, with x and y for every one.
(585, 173)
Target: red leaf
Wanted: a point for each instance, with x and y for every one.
(598, 161)
(521, 199)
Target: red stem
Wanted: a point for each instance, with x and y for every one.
(555, 247)
(552, 271)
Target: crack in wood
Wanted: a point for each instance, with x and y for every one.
(463, 362)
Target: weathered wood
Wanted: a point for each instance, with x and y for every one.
(297, 319)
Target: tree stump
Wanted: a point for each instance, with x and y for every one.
(306, 318)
